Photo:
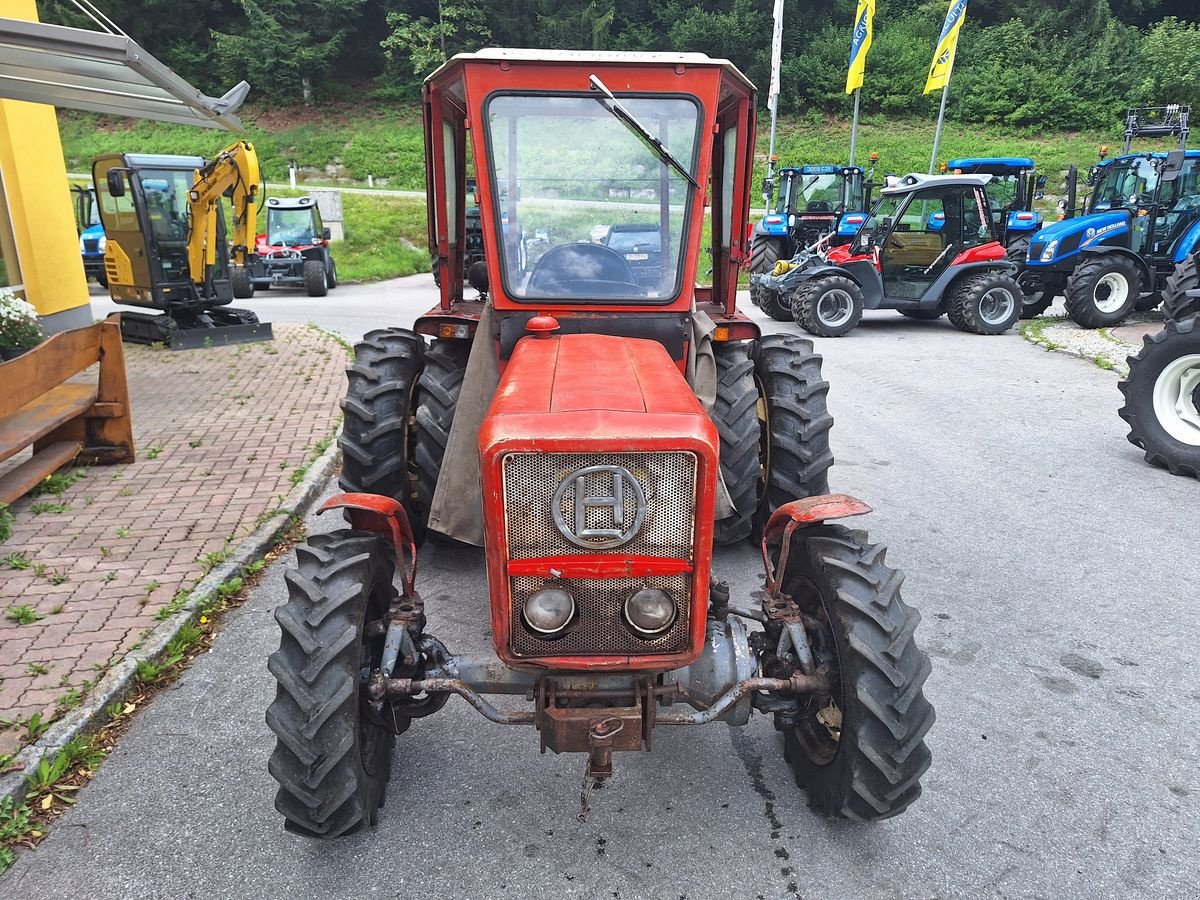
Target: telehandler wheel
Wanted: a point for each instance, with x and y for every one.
(1162, 397)
(859, 752)
(316, 281)
(1102, 291)
(1176, 303)
(243, 287)
(989, 303)
(1036, 302)
(331, 759)
(437, 398)
(379, 408)
(794, 422)
(764, 253)
(923, 315)
(829, 306)
(735, 413)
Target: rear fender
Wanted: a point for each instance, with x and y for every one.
(383, 515)
(800, 514)
(938, 290)
(1187, 244)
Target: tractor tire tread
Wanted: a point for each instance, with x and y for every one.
(962, 308)
(735, 413)
(315, 282)
(804, 305)
(1176, 303)
(1080, 292)
(438, 391)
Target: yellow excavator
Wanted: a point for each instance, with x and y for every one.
(167, 247)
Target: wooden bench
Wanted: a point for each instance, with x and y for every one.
(64, 421)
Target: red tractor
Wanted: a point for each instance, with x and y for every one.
(292, 252)
(596, 428)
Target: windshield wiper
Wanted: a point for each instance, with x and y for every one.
(613, 105)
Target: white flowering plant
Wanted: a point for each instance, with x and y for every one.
(19, 326)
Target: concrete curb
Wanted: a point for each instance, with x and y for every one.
(121, 678)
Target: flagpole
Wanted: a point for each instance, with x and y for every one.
(937, 134)
(854, 125)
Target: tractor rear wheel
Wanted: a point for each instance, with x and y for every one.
(764, 253)
(1102, 291)
(333, 279)
(331, 759)
(736, 415)
(1036, 302)
(243, 287)
(859, 751)
(989, 303)
(1176, 303)
(1162, 397)
(828, 307)
(377, 428)
(794, 421)
(316, 281)
(923, 315)
(437, 399)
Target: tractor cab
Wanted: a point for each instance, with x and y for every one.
(1014, 186)
(91, 232)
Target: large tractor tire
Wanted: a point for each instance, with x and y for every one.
(828, 307)
(377, 428)
(331, 275)
(794, 455)
(331, 759)
(1162, 397)
(1102, 291)
(764, 253)
(243, 287)
(859, 752)
(316, 279)
(988, 303)
(437, 399)
(1176, 303)
(736, 415)
(1035, 302)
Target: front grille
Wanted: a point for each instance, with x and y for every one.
(91, 245)
(599, 628)
(1035, 251)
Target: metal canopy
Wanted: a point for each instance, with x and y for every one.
(73, 68)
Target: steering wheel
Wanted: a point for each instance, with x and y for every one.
(580, 270)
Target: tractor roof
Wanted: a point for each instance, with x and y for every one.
(915, 182)
(990, 165)
(1156, 154)
(291, 203)
(163, 161)
(823, 169)
(591, 57)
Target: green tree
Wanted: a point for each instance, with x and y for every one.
(422, 43)
(1170, 54)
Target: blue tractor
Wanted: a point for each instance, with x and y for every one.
(91, 233)
(813, 201)
(1138, 235)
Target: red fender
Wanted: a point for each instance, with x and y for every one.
(385, 515)
(799, 513)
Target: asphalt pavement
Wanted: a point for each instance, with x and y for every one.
(1056, 574)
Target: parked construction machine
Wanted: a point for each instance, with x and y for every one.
(596, 429)
(167, 248)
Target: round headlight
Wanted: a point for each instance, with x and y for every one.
(549, 610)
(102, 243)
(650, 611)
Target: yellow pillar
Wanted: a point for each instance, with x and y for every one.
(39, 205)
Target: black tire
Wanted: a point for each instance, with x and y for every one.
(871, 767)
(764, 253)
(735, 413)
(1086, 287)
(332, 276)
(102, 278)
(1179, 338)
(437, 399)
(377, 427)
(923, 315)
(828, 307)
(988, 303)
(1176, 304)
(331, 760)
(794, 439)
(1147, 302)
(1035, 302)
(435, 266)
(243, 287)
(316, 284)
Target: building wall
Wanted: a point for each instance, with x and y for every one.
(38, 201)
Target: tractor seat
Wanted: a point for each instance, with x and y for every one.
(819, 206)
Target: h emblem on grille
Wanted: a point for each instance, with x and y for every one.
(599, 521)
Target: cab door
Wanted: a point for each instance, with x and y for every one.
(126, 257)
(920, 243)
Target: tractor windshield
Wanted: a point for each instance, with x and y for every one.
(800, 193)
(588, 211)
(290, 227)
(1003, 192)
(1125, 182)
(882, 216)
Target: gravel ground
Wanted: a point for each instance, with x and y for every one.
(1107, 347)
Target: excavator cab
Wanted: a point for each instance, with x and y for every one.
(160, 255)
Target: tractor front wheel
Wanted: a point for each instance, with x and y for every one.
(1034, 302)
(1162, 397)
(858, 751)
(1102, 291)
(829, 306)
(985, 304)
(316, 280)
(332, 276)
(243, 287)
(379, 408)
(332, 759)
(1176, 303)
(437, 399)
(764, 253)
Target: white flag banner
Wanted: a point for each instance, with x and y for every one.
(776, 53)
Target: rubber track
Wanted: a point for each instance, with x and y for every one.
(735, 413)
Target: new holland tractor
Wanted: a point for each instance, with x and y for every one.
(1141, 221)
(930, 247)
(596, 430)
(814, 202)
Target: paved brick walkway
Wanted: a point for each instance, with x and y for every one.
(220, 436)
